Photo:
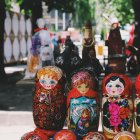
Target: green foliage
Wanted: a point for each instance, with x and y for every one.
(8, 4)
(124, 11)
(83, 12)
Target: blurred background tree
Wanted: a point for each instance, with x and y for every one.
(3, 77)
(82, 10)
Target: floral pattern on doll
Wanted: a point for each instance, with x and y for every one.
(49, 104)
(116, 111)
(94, 136)
(35, 137)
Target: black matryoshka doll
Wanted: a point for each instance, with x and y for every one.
(49, 101)
(137, 107)
(83, 105)
(117, 106)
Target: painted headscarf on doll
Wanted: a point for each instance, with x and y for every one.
(137, 84)
(82, 77)
(48, 77)
(116, 84)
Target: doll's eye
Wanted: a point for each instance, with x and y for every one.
(79, 86)
(52, 82)
(86, 86)
(43, 81)
(110, 86)
(118, 86)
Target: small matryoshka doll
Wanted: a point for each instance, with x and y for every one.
(137, 107)
(125, 135)
(95, 136)
(83, 105)
(117, 106)
(49, 101)
(65, 135)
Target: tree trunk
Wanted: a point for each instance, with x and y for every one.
(36, 13)
(136, 43)
(3, 77)
(136, 6)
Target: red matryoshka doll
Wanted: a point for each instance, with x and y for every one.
(49, 101)
(137, 107)
(95, 136)
(83, 105)
(117, 104)
(65, 135)
(125, 135)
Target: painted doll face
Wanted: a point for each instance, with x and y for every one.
(114, 87)
(47, 82)
(83, 88)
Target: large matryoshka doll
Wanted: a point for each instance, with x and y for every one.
(137, 107)
(83, 105)
(49, 101)
(117, 106)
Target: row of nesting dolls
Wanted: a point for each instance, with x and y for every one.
(81, 106)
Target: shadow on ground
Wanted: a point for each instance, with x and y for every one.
(16, 94)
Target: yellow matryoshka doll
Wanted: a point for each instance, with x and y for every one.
(49, 102)
(83, 105)
(117, 106)
(137, 107)
(125, 135)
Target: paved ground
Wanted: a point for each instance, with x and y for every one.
(16, 105)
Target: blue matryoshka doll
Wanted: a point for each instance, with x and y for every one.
(83, 105)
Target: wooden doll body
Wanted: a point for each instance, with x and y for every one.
(125, 135)
(49, 99)
(95, 136)
(65, 135)
(137, 107)
(83, 105)
(117, 104)
(49, 103)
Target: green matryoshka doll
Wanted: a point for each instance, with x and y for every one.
(117, 106)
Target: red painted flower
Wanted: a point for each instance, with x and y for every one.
(124, 112)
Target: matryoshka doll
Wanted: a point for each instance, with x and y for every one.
(83, 105)
(49, 101)
(125, 135)
(117, 106)
(88, 42)
(137, 107)
(95, 136)
(65, 134)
